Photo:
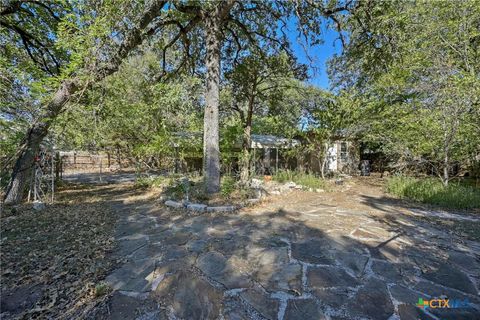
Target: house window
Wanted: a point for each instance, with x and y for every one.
(343, 152)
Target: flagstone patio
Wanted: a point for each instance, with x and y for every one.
(298, 256)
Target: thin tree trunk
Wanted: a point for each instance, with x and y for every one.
(324, 159)
(446, 159)
(445, 170)
(211, 149)
(247, 138)
(322, 167)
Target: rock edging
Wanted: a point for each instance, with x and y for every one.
(199, 207)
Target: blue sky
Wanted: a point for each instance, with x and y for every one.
(319, 55)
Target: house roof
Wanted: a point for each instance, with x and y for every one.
(262, 141)
(258, 141)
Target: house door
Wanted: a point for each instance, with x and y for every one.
(332, 157)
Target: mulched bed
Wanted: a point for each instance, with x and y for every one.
(53, 261)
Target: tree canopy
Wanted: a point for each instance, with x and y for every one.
(132, 75)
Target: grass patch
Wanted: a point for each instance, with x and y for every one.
(150, 182)
(432, 191)
(304, 179)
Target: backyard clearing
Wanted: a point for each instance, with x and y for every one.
(116, 252)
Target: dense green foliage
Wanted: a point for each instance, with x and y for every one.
(432, 191)
(130, 113)
(159, 90)
(415, 68)
(43, 44)
(227, 186)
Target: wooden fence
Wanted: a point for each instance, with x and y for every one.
(88, 161)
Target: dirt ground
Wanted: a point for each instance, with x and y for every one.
(115, 252)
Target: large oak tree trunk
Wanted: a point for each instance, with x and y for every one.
(245, 161)
(214, 20)
(31, 143)
(211, 149)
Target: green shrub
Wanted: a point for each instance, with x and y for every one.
(149, 182)
(142, 182)
(227, 186)
(283, 176)
(309, 181)
(177, 188)
(304, 179)
(101, 289)
(432, 191)
(197, 191)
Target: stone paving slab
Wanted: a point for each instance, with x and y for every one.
(333, 297)
(372, 301)
(313, 251)
(451, 277)
(410, 312)
(300, 309)
(196, 298)
(351, 261)
(329, 277)
(131, 276)
(261, 302)
(215, 266)
(281, 277)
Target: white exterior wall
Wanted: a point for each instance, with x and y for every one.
(332, 156)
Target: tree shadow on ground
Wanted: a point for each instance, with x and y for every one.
(302, 261)
(292, 264)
